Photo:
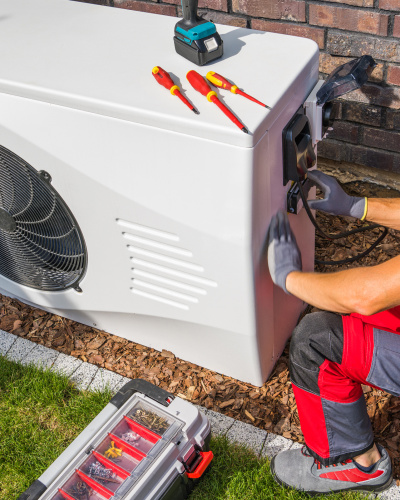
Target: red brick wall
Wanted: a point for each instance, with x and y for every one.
(367, 130)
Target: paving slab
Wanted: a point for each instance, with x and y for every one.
(41, 356)
(274, 444)
(220, 424)
(247, 434)
(105, 379)
(20, 349)
(393, 493)
(66, 365)
(83, 376)
(120, 384)
(6, 341)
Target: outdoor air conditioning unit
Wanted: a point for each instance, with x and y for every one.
(121, 209)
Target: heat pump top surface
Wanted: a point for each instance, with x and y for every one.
(100, 60)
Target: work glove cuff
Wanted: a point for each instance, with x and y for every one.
(358, 207)
(281, 282)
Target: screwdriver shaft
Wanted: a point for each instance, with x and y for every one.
(229, 114)
(240, 92)
(185, 101)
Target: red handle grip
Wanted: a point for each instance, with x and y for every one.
(162, 77)
(207, 456)
(198, 82)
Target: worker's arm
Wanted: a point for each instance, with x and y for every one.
(364, 290)
(385, 211)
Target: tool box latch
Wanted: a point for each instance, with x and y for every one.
(197, 463)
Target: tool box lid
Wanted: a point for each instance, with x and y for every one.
(100, 59)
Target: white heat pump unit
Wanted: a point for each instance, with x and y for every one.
(122, 209)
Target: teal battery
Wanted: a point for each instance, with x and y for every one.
(146, 444)
(195, 38)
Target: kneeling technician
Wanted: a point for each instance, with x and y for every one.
(333, 353)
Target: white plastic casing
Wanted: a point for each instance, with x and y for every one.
(174, 207)
(314, 113)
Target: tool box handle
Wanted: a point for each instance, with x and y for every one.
(35, 491)
(207, 456)
(139, 385)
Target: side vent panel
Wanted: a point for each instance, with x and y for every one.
(162, 270)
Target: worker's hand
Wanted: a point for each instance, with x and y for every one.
(283, 253)
(335, 201)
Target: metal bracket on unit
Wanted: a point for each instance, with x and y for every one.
(320, 116)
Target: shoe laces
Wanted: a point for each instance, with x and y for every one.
(319, 465)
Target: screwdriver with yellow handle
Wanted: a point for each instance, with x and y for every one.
(222, 83)
(166, 81)
(200, 84)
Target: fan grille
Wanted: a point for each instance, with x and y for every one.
(41, 245)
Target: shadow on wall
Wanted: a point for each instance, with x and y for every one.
(381, 95)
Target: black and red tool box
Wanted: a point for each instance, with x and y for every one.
(145, 444)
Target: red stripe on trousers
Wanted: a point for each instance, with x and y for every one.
(312, 421)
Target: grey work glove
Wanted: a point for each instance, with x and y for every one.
(283, 253)
(335, 201)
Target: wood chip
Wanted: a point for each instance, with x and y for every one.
(226, 403)
(167, 354)
(16, 325)
(249, 415)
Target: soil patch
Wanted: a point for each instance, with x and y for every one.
(271, 407)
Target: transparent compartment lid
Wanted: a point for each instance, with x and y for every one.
(79, 487)
(59, 496)
(104, 472)
(135, 435)
(151, 418)
(119, 453)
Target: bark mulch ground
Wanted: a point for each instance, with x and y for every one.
(271, 407)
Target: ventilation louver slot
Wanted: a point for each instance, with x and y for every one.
(41, 245)
(163, 272)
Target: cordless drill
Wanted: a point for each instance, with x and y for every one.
(196, 38)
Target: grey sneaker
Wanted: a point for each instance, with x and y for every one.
(298, 469)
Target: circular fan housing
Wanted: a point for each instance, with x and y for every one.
(41, 245)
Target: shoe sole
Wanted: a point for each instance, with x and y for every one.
(361, 489)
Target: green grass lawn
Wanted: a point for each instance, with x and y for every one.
(41, 413)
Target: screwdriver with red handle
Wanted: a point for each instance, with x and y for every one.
(200, 84)
(222, 83)
(166, 81)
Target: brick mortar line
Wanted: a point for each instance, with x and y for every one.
(333, 29)
(374, 149)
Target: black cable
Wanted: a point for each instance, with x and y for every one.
(343, 234)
